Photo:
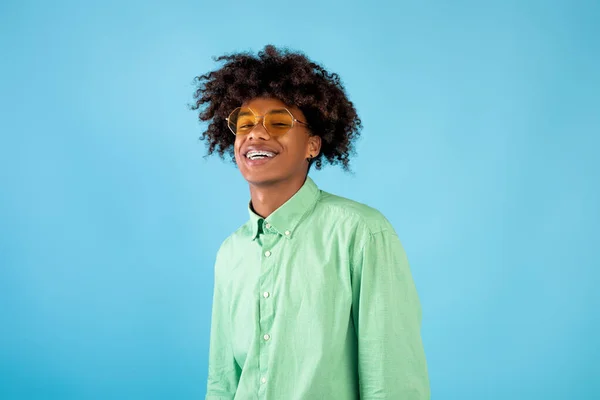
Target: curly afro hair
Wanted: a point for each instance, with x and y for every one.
(293, 79)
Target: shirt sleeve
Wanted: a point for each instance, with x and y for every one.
(387, 316)
(223, 371)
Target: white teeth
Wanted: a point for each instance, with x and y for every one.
(254, 154)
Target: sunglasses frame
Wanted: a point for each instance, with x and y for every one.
(294, 120)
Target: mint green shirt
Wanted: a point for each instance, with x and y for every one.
(315, 302)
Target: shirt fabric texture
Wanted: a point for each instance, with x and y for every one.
(315, 302)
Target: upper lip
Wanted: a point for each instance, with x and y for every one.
(257, 148)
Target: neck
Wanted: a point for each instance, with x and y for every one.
(267, 198)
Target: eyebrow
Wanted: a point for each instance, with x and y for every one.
(275, 111)
(278, 111)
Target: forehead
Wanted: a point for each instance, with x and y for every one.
(262, 105)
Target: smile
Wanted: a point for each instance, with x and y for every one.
(259, 154)
(255, 158)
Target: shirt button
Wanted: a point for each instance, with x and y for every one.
(266, 294)
(287, 233)
(267, 337)
(264, 380)
(268, 226)
(267, 253)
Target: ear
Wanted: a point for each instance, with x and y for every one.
(314, 146)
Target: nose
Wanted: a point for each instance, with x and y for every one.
(259, 132)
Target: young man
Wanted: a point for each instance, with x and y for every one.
(313, 296)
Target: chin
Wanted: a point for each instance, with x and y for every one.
(263, 178)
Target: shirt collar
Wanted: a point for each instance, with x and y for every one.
(287, 217)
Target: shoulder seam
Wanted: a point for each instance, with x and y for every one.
(369, 237)
(360, 218)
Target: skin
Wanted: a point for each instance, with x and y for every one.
(275, 182)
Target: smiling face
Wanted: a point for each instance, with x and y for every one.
(269, 158)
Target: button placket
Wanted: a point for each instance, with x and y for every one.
(266, 306)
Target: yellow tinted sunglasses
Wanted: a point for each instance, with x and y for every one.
(276, 122)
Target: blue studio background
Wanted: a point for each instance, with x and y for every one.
(481, 128)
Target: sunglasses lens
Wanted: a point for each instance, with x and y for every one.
(241, 121)
(278, 122)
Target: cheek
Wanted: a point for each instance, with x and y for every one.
(236, 147)
(294, 144)
(298, 147)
